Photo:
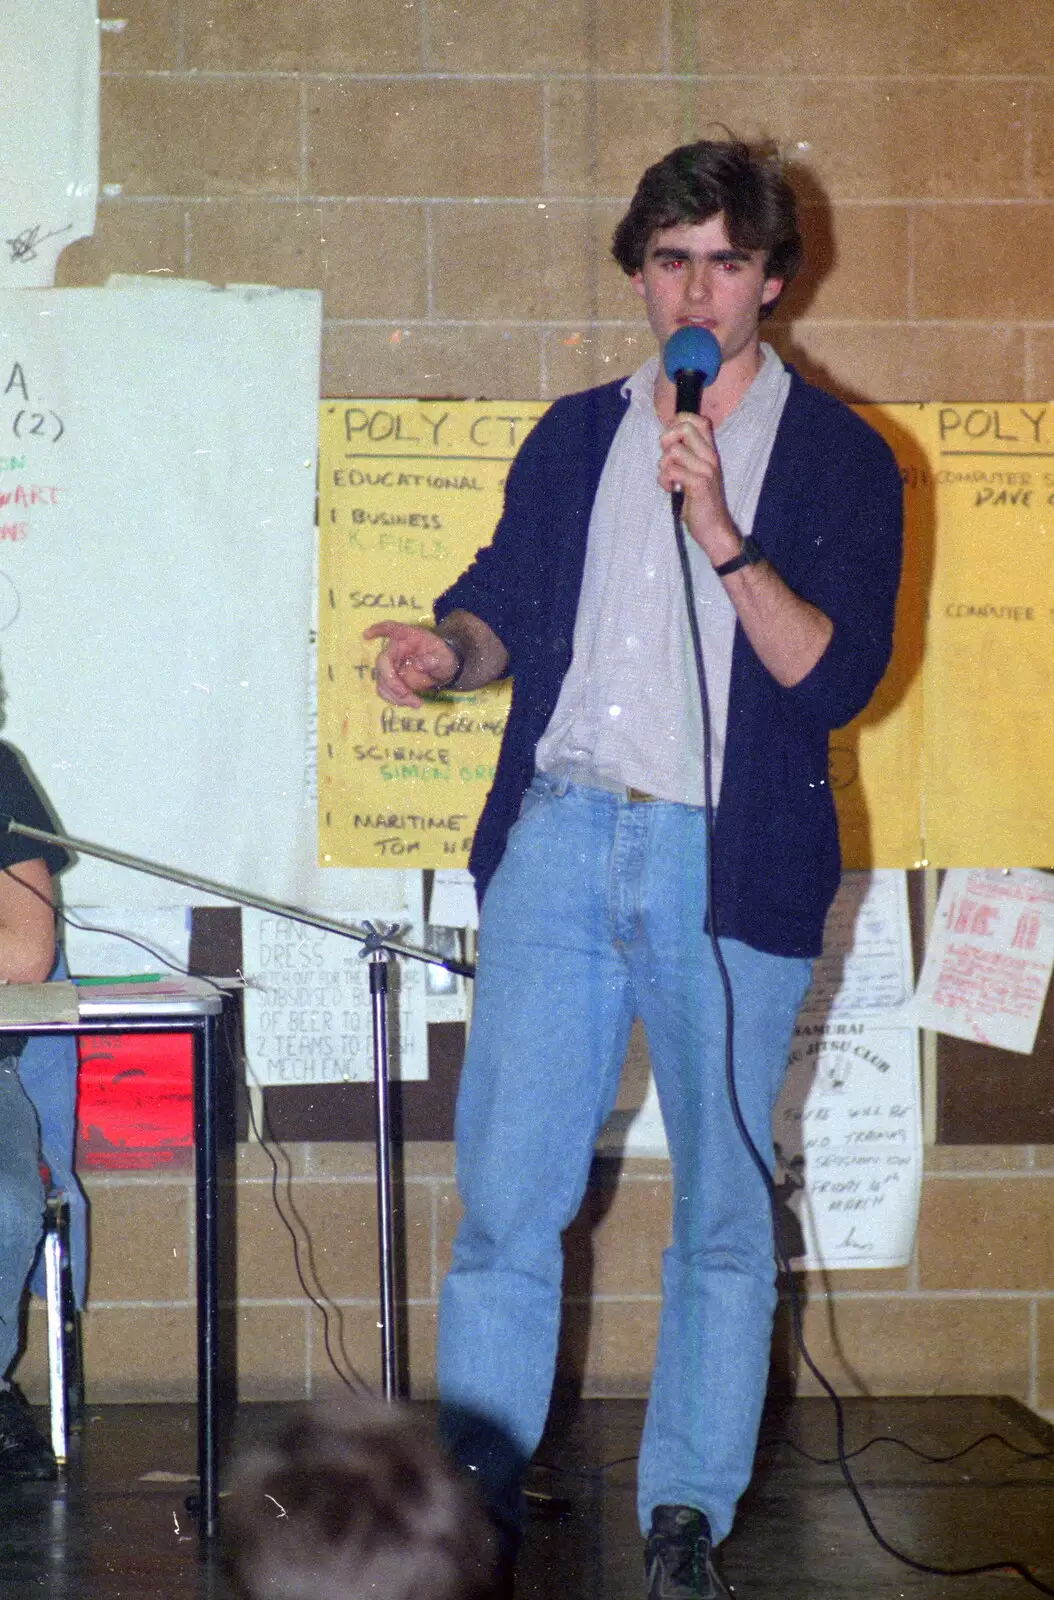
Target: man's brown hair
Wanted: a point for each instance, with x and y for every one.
(698, 181)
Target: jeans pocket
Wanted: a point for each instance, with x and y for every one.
(539, 791)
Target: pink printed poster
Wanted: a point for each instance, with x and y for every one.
(989, 957)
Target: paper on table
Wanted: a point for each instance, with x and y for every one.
(99, 947)
(37, 1002)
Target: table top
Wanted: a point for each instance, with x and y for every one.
(169, 998)
(173, 996)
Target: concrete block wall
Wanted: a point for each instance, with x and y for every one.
(448, 172)
(973, 1313)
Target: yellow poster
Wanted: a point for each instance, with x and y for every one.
(876, 762)
(988, 750)
(952, 762)
(408, 491)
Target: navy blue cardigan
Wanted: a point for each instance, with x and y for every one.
(829, 521)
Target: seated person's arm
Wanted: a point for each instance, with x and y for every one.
(27, 922)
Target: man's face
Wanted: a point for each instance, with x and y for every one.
(693, 276)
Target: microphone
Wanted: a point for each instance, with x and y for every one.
(691, 359)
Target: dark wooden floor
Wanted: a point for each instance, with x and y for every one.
(118, 1526)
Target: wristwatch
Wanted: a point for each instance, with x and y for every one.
(460, 658)
(750, 553)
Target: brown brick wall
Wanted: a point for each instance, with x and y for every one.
(448, 172)
(972, 1313)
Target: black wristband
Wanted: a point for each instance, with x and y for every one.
(750, 553)
(460, 657)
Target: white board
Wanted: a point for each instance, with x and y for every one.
(157, 482)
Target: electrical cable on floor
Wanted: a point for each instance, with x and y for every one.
(902, 1444)
(591, 1475)
(794, 1298)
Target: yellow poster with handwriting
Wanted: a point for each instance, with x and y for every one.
(408, 492)
(952, 763)
(988, 744)
(875, 763)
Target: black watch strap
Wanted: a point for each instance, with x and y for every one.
(750, 553)
(459, 656)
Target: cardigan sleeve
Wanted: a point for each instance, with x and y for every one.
(496, 585)
(844, 507)
(524, 585)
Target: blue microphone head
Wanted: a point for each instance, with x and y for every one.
(692, 349)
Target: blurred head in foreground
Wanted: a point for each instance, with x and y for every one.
(355, 1502)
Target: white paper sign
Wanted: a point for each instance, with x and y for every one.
(157, 477)
(308, 1010)
(865, 969)
(453, 903)
(848, 1134)
(989, 957)
(49, 135)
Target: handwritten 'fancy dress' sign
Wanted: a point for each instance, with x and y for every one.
(409, 491)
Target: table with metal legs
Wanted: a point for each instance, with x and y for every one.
(196, 1007)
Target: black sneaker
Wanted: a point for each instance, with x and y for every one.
(679, 1559)
(24, 1451)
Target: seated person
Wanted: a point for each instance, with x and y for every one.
(27, 955)
(355, 1502)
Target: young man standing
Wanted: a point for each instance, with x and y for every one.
(599, 877)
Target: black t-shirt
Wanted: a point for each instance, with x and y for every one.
(21, 802)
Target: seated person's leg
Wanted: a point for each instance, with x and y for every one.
(24, 1451)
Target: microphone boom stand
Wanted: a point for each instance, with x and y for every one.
(378, 943)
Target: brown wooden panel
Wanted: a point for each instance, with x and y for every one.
(990, 1096)
(984, 1095)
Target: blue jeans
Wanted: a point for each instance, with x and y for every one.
(21, 1204)
(596, 915)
